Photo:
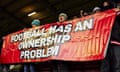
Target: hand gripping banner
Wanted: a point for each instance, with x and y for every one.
(81, 39)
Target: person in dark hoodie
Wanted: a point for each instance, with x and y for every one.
(107, 5)
(111, 63)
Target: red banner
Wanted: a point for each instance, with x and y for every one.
(81, 39)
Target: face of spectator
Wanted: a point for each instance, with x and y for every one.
(85, 14)
(74, 17)
(97, 11)
(105, 3)
(62, 18)
(34, 26)
(81, 11)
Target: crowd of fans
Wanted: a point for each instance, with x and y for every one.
(105, 6)
(63, 17)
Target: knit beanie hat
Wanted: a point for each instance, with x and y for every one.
(96, 8)
(36, 22)
(63, 14)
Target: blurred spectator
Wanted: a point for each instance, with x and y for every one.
(74, 17)
(31, 66)
(114, 2)
(107, 5)
(96, 10)
(62, 17)
(111, 63)
(60, 66)
(118, 5)
(5, 68)
(15, 68)
(82, 13)
(85, 14)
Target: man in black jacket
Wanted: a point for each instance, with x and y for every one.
(111, 63)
